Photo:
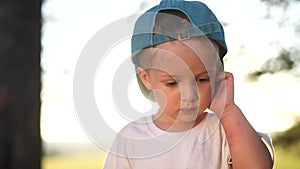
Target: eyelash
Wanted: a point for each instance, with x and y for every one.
(200, 80)
(203, 80)
(171, 84)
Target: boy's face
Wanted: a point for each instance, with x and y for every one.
(182, 77)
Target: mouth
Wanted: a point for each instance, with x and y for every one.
(189, 110)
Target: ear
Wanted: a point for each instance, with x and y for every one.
(145, 78)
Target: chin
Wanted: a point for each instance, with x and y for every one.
(191, 118)
(187, 118)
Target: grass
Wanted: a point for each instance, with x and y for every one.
(286, 159)
(77, 161)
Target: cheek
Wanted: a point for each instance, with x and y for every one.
(205, 96)
(160, 96)
(168, 98)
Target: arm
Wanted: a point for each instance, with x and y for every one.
(246, 147)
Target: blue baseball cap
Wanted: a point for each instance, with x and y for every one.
(203, 20)
(200, 16)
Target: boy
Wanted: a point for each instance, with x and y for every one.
(177, 48)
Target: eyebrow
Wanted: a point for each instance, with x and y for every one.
(170, 76)
(176, 76)
(202, 73)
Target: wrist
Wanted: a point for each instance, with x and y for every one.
(224, 111)
(231, 113)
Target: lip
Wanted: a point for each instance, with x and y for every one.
(189, 110)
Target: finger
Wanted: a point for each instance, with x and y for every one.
(221, 75)
(216, 83)
(229, 78)
(225, 86)
(229, 85)
(228, 75)
(219, 84)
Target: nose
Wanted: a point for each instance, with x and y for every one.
(189, 92)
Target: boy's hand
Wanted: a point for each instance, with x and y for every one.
(223, 97)
(242, 139)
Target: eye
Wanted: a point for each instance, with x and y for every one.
(203, 80)
(173, 83)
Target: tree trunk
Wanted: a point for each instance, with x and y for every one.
(20, 84)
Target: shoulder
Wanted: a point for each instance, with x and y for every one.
(137, 128)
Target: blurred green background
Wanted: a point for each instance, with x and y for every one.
(263, 41)
(263, 38)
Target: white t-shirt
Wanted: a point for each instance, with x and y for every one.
(142, 145)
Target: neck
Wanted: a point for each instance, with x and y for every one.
(173, 125)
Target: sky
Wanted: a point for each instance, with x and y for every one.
(270, 104)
